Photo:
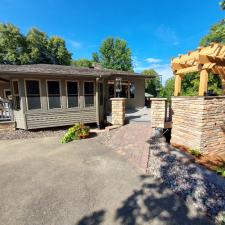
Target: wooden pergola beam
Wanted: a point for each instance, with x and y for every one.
(191, 69)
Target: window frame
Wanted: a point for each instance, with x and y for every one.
(40, 92)
(94, 94)
(60, 93)
(78, 94)
(16, 95)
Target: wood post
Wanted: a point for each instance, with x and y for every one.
(203, 86)
(177, 88)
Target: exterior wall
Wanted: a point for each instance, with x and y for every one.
(199, 122)
(131, 103)
(44, 117)
(158, 112)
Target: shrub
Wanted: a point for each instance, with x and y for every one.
(76, 132)
(195, 152)
(221, 170)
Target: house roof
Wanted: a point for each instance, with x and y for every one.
(49, 69)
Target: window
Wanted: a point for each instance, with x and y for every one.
(132, 90)
(72, 94)
(88, 93)
(33, 94)
(111, 89)
(54, 100)
(124, 92)
(16, 97)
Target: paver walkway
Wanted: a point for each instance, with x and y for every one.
(131, 141)
(43, 182)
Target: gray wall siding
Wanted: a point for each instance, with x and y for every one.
(59, 117)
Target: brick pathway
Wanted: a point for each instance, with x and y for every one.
(131, 142)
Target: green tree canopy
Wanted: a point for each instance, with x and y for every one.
(168, 89)
(12, 45)
(222, 5)
(95, 57)
(216, 34)
(82, 63)
(152, 86)
(57, 51)
(37, 46)
(114, 54)
(33, 48)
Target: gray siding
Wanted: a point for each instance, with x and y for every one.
(60, 118)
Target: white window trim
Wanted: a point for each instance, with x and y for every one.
(78, 94)
(94, 94)
(60, 94)
(40, 91)
(5, 90)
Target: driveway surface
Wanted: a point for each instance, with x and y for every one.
(43, 182)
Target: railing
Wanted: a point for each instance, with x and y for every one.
(168, 117)
(5, 110)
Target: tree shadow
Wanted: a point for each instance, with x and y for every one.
(96, 218)
(153, 203)
(185, 179)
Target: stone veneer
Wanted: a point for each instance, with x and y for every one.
(199, 122)
(158, 112)
(118, 111)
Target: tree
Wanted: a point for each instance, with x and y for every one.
(168, 89)
(37, 46)
(222, 5)
(82, 63)
(12, 45)
(57, 51)
(152, 86)
(216, 34)
(95, 57)
(114, 54)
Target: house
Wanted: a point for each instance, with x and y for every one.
(54, 95)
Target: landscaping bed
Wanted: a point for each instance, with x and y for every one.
(24, 134)
(188, 180)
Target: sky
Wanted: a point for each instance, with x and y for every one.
(155, 30)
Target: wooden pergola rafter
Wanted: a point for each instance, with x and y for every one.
(203, 60)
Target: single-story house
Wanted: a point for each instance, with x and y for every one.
(54, 95)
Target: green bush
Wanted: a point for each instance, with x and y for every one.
(195, 152)
(221, 170)
(76, 132)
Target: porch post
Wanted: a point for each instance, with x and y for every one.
(97, 101)
(177, 88)
(203, 86)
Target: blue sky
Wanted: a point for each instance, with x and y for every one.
(155, 31)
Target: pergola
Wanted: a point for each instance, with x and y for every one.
(204, 60)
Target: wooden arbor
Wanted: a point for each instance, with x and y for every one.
(203, 60)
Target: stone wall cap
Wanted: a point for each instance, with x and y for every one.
(197, 97)
(117, 99)
(158, 99)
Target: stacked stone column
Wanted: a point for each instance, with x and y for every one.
(118, 111)
(158, 112)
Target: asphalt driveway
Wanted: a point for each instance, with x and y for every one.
(43, 182)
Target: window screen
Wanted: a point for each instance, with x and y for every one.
(54, 100)
(16, 97)
(88, 93)
(33, 94)
(72, 94)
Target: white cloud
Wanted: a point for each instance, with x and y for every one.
(166, 34)
(153, 60)
(75, 44)
(161, 68)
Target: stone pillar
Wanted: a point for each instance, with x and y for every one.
(118, 111)
(158, 112)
